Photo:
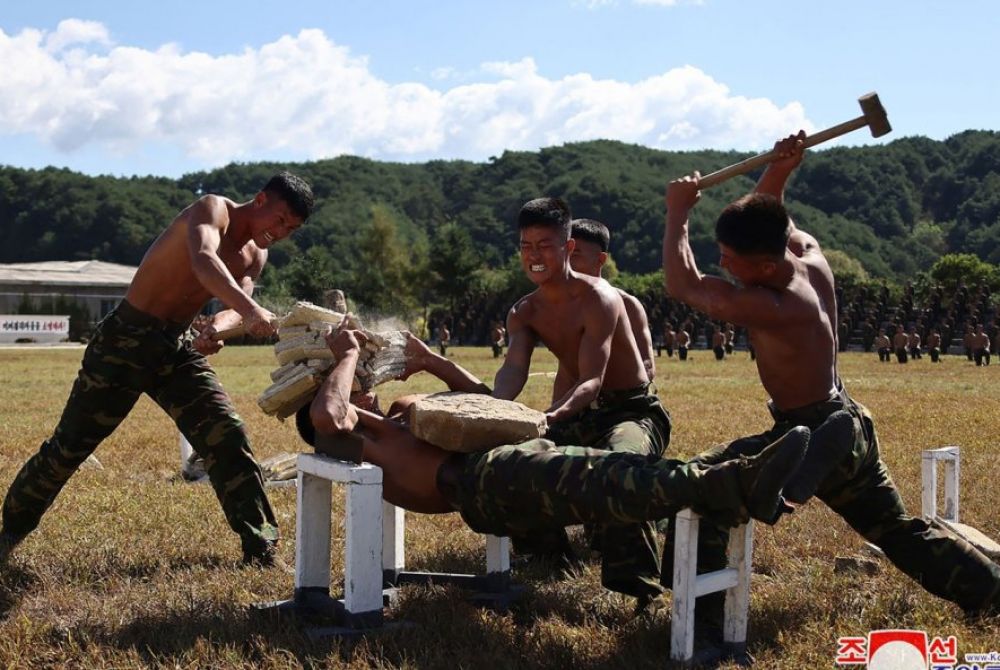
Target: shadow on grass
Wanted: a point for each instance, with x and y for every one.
(100, 567)
(14, 582)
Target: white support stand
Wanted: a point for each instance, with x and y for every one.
(374, 549)
(362, 602)
(951, 457)
(688, 585)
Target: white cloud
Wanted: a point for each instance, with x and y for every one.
(305, 97)
(76, 31)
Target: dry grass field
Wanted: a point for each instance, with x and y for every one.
(132, 568)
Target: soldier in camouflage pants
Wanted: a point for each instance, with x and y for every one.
(631, 421)
(861, 491)
(134, 353)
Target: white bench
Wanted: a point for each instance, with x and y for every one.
(951, 457)
(949, 517)
(688, 585)
(374, 551)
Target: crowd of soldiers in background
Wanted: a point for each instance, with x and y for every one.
(964, 322)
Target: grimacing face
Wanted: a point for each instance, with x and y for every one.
(274, 220)
(544, 253)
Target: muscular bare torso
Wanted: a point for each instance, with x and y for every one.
(560, 326)
(165, 285)
(797, 359)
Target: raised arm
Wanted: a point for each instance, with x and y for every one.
(600, 319)
(208, 219)
(419, 358)
(774, 180)
(513, 374)
(716, 297)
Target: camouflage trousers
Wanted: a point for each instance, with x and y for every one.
(133, 353)
(861, 491)
(537, 485)
(631, 421)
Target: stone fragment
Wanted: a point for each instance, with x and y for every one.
(854, 565)
(469, 422)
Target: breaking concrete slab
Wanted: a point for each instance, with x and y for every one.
(468, 422)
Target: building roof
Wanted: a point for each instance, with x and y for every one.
(67, 273)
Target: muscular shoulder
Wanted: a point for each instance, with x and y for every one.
(209, 209)
(595, 290)
(632, 304)
(521, 312)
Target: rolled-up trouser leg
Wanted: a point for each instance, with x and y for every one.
(533, 485)
(104, 392)
(189, 391)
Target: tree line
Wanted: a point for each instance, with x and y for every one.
(400, 237)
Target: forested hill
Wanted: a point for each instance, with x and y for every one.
(895, 208)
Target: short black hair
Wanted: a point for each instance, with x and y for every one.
(304, 424)
(754, 224)
(589, 230)
(294, 191)
(546, 212)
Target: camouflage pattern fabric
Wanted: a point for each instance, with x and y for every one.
(132, 353)
(538, 485)
(630, 421)
(861, 491)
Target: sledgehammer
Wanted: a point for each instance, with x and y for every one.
(872, 115)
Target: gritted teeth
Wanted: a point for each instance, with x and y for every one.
(538, 267)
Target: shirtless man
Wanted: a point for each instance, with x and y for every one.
(604, 399)
(913, 343)
(981, 347)
(900, 341)
(683, 342)
(589, 256)
(498, 338)
(668, 339)
(536, 486)
(883, 346)
(934, 346)
(967, 342)
(788, 304)
(215, 247)
(444, 339)
(718, 343)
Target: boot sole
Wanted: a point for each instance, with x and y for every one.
(779, 463)
(829, 445)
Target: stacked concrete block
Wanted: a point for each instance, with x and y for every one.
(469, 422)
(304, 358)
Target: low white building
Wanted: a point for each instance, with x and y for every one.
(95, 286)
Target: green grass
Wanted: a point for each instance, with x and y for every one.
(131, 568)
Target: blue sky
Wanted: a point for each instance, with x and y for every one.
(166, 88)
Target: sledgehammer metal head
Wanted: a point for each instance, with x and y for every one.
(872, 115)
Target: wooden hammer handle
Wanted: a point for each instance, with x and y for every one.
(755, 162)
(229, 333)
